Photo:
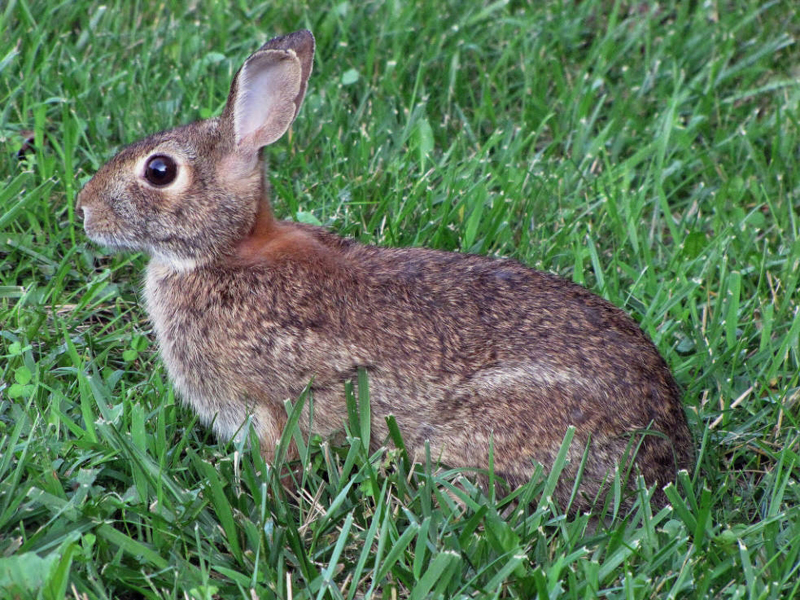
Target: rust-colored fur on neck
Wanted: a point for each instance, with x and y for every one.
(271, 241)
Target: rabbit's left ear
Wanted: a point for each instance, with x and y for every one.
(268, 90)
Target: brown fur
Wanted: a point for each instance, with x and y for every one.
(463, 350)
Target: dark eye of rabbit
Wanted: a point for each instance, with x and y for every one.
(160, 170)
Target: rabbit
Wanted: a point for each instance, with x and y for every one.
(465, 351)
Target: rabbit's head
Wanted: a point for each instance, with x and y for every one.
(188, 195)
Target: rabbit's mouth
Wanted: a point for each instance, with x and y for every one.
(109, 239)
(117, 242)
(112, 241)
(97, 229)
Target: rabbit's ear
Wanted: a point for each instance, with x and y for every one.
(267, 91)
(302, 44)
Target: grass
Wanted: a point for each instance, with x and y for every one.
(646, 150)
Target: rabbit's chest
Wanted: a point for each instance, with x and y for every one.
(222, 340)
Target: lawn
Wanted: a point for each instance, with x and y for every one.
(648, 151)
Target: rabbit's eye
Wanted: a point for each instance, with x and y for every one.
(160, 170)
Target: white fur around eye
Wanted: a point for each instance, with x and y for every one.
(182, 181)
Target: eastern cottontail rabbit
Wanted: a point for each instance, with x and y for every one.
(461, 349)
